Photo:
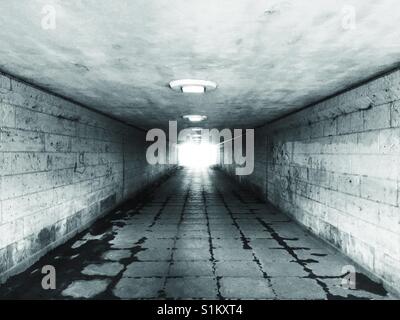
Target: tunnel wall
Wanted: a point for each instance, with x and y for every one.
(61, 167)
(335, 168)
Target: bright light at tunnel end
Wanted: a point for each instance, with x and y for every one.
(197, 155)
(201, 147)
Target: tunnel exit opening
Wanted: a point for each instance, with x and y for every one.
(197, 155)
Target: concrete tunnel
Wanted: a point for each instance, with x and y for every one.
(200, 150)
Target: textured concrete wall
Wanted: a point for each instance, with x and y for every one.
(256, 181)
(335, 168)
(61, 167)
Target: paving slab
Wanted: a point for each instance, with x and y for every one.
(133, 288)
(191, 288)
(146, 269)
(85, 288)
(109, 269)
(246, 288)
(116, 255)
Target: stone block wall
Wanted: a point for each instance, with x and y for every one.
(335, 168)
(61, 167)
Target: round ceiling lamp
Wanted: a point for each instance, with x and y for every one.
(192, 85)
(194, 117)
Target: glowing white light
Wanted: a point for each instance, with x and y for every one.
(193, 89)
(194, 117)
(193, 85)
(197, 155)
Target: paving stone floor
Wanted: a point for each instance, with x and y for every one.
(197, 236)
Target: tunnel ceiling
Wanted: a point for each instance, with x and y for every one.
(268, 58)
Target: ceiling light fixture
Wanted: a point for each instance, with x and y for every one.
(194, 117)
(192, 85)
(193, 89)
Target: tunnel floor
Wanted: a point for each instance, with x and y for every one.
(196, 236)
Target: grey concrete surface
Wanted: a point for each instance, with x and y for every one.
(268, 58)
(61, 167)
(197, 236)
(334, 168)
